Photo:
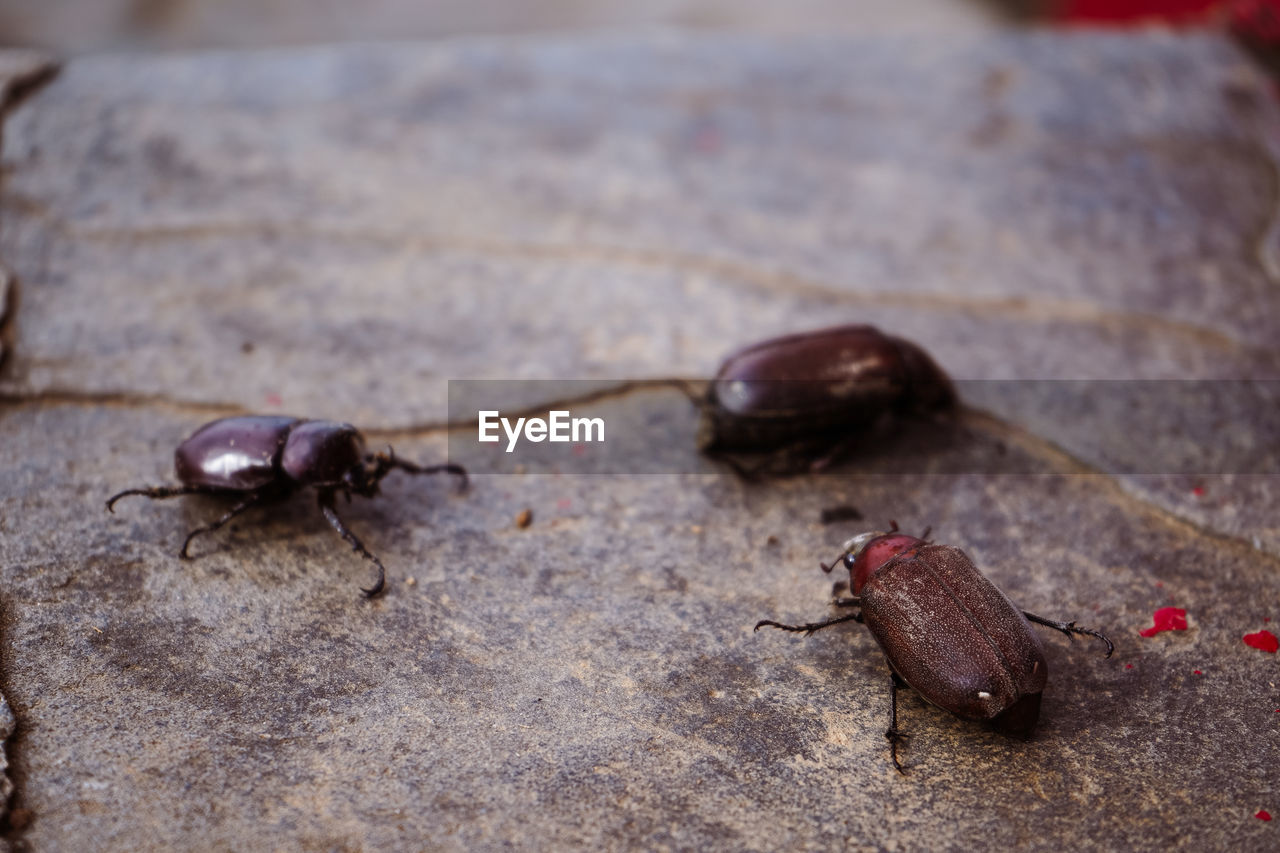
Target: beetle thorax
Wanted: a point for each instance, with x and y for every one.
(322, 452)
(870, 551)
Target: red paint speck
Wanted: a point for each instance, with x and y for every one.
(274, 399)
(1264, 640)
(564, 503)
(1196, 672)
(1166, 619)
(1266, 618)
(708, 140)
(579, 449)
(1198, 491)
(1128, 666)
(1263, 814)
(1159, 584)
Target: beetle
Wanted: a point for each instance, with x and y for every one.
(811, 393)
(261, 458)
(946, 631)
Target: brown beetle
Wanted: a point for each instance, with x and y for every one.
(946, 631)
(811, 393)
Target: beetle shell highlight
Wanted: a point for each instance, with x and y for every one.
(808, 384)
(240, 453)
(248, 452)
(951, 634)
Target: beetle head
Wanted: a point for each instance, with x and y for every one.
(865, 553)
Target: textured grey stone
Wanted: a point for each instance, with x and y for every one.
(593, 679)
(425, 213)
(77, 25)
(376, 220)
(235, 230)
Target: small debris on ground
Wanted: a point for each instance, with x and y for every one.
(524, 518)
(843, 512)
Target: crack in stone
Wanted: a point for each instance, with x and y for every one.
(1066, 463)
(1060, 460)
(8, 302)
(22, 74)
(120, 399)
(761, 279)
(622, 389)
(1265, 247)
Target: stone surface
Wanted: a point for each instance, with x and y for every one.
(93, 24)
(593, 679)
(338, 231)
(20, 70)
(236, 230)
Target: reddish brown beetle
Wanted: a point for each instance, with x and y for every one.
(261, 458)
(946, 630)
(810, 394)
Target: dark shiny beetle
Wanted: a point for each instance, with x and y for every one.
(260, 458)
(946, 631)
(814, 391)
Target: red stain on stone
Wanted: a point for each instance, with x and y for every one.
(1264, 640)
(274, 399)
(1166, 619)
(1196, 672)
(1128, 666)
(1120, 13)
(564, 503)
(579, 449)
(1263, 814)
(708, 140)
(1198, 491)
(1256, 20)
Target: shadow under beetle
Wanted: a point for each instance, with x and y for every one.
(808, 396)
(946, 631)
(262, 458)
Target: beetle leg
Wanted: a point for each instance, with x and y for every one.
(784, 462)
(325, 499)
(1070, 628)
(251, 500)
(849, 602)
(894, 736)
(748, 473)
(833, 453)
(158, 492)
(810, 627)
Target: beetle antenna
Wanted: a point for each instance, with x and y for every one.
(827, 568)
(925, 534)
